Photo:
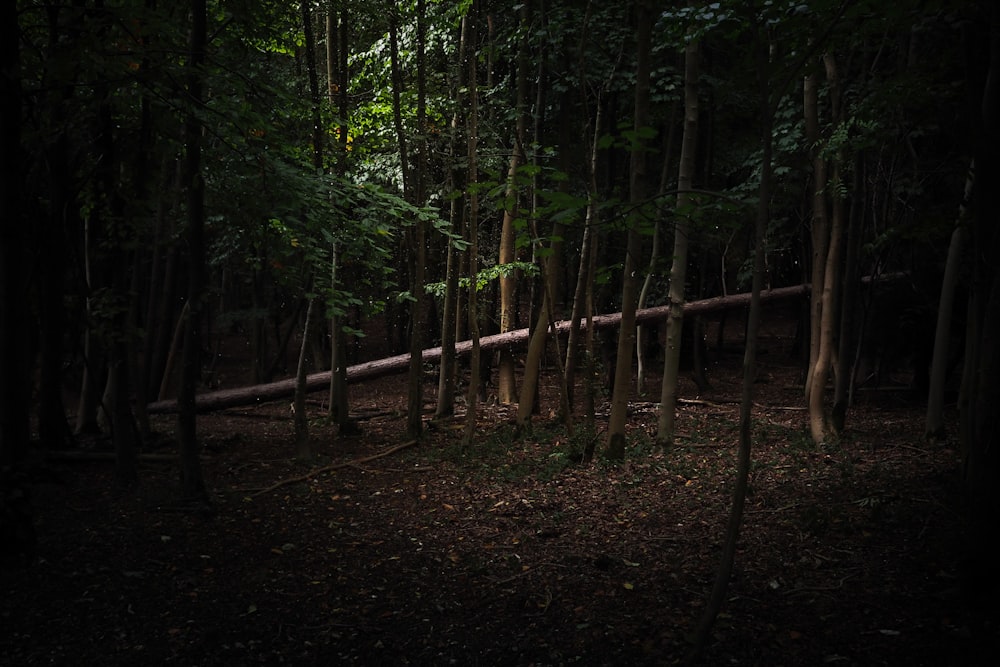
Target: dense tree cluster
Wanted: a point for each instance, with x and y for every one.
(175, 177)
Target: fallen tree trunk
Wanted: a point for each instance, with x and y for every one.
(262, 393)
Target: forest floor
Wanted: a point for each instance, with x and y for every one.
(508, 552)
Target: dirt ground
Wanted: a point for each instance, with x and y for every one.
(508, 552)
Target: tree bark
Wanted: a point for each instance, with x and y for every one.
(472, 233)
(847, 343)
(616, 438)
(582, 294)
(339, 400)
(820, 426)
(820, 232)
(981, 395)
(418, 252)
(313, 77)
(303, 450)
(654, 255)
(942, 331)
(682, 230)
(192, 483)
(450, 311)
(62, 214)
(506, 385)
(17, 530)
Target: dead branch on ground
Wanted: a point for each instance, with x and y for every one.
(333, 466)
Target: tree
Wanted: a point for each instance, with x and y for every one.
(192, 482)
(626, 338)
(470, 36)
(413, 191)
(825, 293)
(339, 409)
(980, 420)
(946, 306)
(303, 449)
(772, 85)
(506, 386)
(682, 231)
(17, 532)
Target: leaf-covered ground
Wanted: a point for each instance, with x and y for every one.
(508, 552)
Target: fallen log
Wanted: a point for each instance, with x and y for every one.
(262, 393)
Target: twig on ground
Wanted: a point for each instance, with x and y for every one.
(333, 466)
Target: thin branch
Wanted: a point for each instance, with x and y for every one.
(334, 466)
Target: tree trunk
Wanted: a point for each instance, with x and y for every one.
(17, 531)
(313, 78)
(848, 338)
(682, 231)
(418, 249)
(339, 400)
(94, 367)
(192, 482)
(654, 255)
(506, 385)
(303, 450)
(942, 332)
(616, 439)
(472, 228)
(451, 312)
(980, 417)
(728, 557)
(228, 398)
(446, 372)
(820, 232)
(820, 426)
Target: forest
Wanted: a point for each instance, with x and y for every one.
(483, 332)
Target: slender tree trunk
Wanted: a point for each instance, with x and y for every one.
(847, 340)
(506, 385)
(339, 405)
(528, 397)
(417, 233)
(942, 332)
(140, 194)
(303, 449)
(980, 416)
(313, 78)
(616, 439)
(192, 482)
(106, 221)
(682, 230)
(654, 256)
(728, 557)
(397, 91)
(472, 395)
(819, 424)
(94, 365)
(528, 401)
(451, 312)
(820, 224)
(53, 429)
(583, 294)
(330, 28)
(17, 530)
(547, 284)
